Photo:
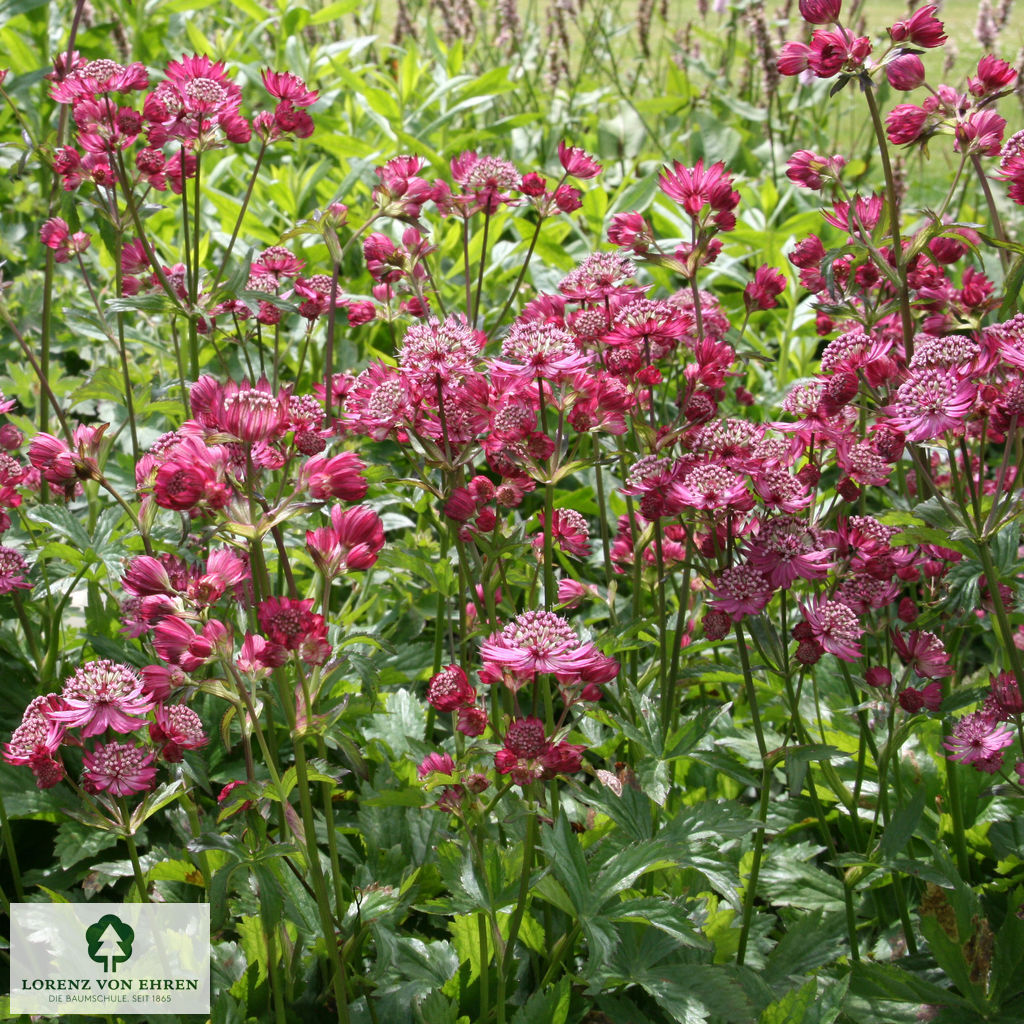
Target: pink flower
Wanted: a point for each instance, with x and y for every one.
(993, 74)
(979, 740)
(292, 624)
(36, 740)
(905, 71)
(336, 476)
(922, 28)
(835, 52)
(283, 85)
(569, 533)
(810, 170)
(793, 59)
(117, 768)
(577, 163)
(350, 544)
(178, 728)
(102, 695)
(930, 402)
(487, 182)
(55, 234)
(835, 626)
(536, 641)
(740, 590)
(820, 12)
(905, 123)
(924, 652)
(12, 571)
(450, 690)
(471, 721)
(694, 187)
(177, 643)
(442, 764)
(763, 291)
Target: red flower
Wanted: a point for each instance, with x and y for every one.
(762, 293)
(294, 625)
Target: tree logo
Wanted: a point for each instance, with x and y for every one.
(110, 942)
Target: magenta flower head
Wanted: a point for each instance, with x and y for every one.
(436, 762)
(336, 476)
(793, 59)
(450, 690)
(905, 72)
(12, 571)
(922, 28)
(809, 170)
(763, 291)
(834, 625)
(117, 768)
(103, 695)
(350, 544)
(536, 641)
(979, 740)
(178, 728)
(577, 163)
(820, 12)
(283, 85)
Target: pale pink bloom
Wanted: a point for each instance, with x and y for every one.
(36, 740)
(120, 769)
(537, 641)
(103, 695)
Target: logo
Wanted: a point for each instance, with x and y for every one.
(145, 959)
(110, 942)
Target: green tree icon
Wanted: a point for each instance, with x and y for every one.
(110, 942)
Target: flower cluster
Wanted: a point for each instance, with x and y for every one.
(101, 701)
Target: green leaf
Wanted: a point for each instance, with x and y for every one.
(888, 981)
(548, 1006)
(63, 521)
(569, 864)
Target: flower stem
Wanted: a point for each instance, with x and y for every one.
(893, 204)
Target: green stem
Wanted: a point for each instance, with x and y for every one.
(750, 892)
(893, 203)
(12, 853)
(133, 855)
